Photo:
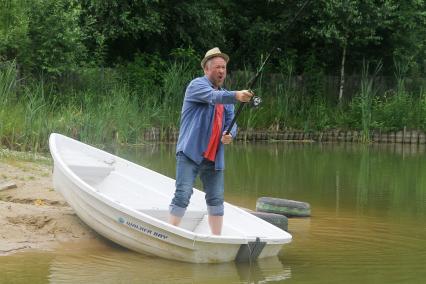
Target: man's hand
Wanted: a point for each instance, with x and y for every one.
(243, 96)
(226, 139)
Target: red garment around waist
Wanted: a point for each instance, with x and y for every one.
(216, 134)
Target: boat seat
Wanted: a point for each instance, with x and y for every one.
(88, 168)
(91, 174)
(98, 170)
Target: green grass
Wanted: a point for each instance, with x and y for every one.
(110, 109)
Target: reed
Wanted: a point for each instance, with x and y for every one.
(115, 117)
(8, 75)
(285, 90)
(175, 79)
(105, 109)
(102, 116)
(367, 94)
(7, 92)
(398, 108)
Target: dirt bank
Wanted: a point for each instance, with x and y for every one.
(33, 215)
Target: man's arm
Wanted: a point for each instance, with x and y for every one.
(199, 90)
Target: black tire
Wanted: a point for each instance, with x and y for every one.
(278, 220)
(286, 207)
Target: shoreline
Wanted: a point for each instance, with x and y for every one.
(403, 136)
(33, 215)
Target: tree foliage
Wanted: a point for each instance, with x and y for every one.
(14, 22)
(55, 36)
(114, 28)
(43, 36)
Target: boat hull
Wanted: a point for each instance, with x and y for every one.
(136, 235)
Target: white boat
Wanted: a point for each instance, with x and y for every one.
(128, 204)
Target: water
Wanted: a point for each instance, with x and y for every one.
(368, 221)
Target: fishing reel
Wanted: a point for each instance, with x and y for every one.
(255, 101)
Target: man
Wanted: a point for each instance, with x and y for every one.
(207, 112)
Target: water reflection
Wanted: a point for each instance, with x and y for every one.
(120, 266)
(364, 178)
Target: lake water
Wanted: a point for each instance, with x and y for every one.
(368, 221)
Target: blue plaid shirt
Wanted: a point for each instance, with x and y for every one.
(197, 119)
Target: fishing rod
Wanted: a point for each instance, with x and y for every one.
(255, 101)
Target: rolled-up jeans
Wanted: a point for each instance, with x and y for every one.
(212, 179)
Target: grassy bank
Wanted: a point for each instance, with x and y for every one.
(106, 106)
(106, 110)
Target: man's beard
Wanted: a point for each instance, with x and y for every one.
(219, 83)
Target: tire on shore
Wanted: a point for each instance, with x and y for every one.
(286, 207)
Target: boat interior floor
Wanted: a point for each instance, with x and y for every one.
(138, 195)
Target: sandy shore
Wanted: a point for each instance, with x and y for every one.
(33, 215)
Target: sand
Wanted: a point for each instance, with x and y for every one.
(33, 215)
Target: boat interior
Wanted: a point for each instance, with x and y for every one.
(138, 188)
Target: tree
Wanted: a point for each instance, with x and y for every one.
(55, 36)
(198, 24)
(349, 24)
(13, 29)
(253, 28)
(407, 36)
(41, 35)
(120, 28)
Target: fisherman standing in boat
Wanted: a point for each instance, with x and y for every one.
(207, 111)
